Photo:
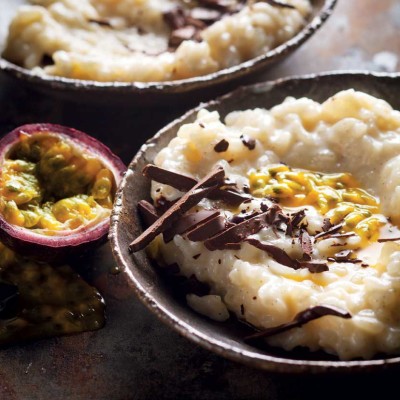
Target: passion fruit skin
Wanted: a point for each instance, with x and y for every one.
(64, 245)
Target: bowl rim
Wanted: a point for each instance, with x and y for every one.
(182, 85)
(262, 361)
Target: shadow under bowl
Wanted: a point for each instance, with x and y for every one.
(226, 339)
(186, 91)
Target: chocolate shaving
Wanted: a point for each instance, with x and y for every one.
(185, 183)
(344, 256)
(277, 3)
(330, 231)
(101, 22)
(294, 222)
(300, 319)
(188, 222)
(327, 224)
(177, 181)
(213, 180)
(278, 254)
(383, 240)
(305, 243)
(148, 212)
(314, 266)
(238, 232)
(249, 142)
(239, 218)
(207, 229)
(221, 146)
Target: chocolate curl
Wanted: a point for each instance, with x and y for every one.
(209, 183)
(300, 319)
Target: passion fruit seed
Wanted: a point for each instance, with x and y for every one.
(337, 196)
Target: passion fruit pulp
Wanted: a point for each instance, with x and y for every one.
(57, 187)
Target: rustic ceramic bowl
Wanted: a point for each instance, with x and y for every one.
(226, 338)
(158, 93)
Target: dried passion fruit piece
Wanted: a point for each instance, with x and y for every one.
(57, 187)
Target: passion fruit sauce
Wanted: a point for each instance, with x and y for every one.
(49, 184)
(51, 301)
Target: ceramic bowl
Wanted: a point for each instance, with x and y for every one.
(159, 93)
(154, 291)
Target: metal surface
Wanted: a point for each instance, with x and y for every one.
(136, 356)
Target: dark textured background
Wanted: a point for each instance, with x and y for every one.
(135, 356)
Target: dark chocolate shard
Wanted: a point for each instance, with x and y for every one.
(383, 240)
(303, 317)
(185, 183)
(161, 175)
(330, 231)
(237, 233)
(207, 229)
(147, 212)
(102, 22)
(188, 222)
(314, 266)
(229, 197)
(248, 142)
(278, 254)
(345, 256)
(239, 218)
(294, 222)
(305, 243)
(278, 3)
(327, 224)
(221, 146)
(209, 183)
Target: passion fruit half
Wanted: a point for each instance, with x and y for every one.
(57, 187)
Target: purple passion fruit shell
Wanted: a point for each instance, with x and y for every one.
(57, 245)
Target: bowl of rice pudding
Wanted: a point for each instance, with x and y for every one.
(151, 48)
(264, 225)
